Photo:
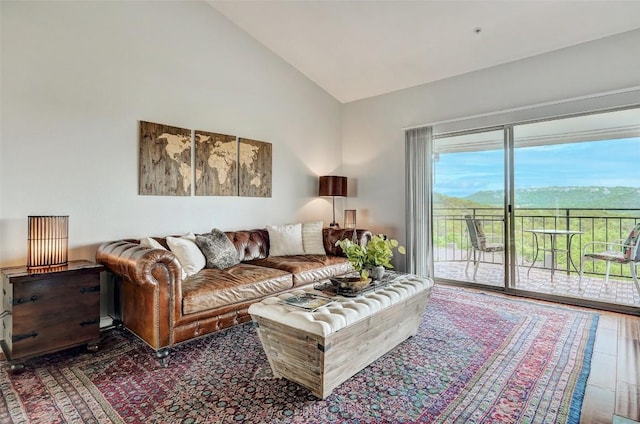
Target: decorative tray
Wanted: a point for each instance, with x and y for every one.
(307, 301)
(333, 287)
(350, 283)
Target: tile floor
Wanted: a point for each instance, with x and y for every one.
(617, 291)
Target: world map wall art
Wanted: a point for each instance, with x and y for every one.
(216, 164)
(165, 160)
(255, 168)
(224, 165)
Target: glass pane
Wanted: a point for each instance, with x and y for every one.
(577, 187)
(468, 205)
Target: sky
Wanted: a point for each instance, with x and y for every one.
(606, 163)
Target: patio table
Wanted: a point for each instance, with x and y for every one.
(553, 234)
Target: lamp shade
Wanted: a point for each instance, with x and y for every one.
(48, 241)
(332, 185)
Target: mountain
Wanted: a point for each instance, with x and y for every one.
(564, 197)
(454, 202)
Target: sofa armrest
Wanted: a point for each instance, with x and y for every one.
(152, 288)
(332, 235)
(137, 263)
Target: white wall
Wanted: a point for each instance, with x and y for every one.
(76, 78)
(373, 135)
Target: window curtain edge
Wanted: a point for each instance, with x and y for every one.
(418, 174)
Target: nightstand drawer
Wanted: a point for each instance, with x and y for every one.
(58, 300)
(40, 339)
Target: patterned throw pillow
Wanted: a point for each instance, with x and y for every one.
(218, 249)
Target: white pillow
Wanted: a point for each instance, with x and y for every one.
(285, 240)
(312, 239)
(188, 253)
(152, 243)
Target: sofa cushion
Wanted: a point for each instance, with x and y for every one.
(312, 240)
(212, 288)
(218, 250)
(285, 240)
(307, 269)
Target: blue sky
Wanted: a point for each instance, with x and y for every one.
(608, 163)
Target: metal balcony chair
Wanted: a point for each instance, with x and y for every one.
(623, 251)
(481, 243)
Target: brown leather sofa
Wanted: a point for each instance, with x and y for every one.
(157, 305)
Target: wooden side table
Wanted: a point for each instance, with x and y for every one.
(49, 309)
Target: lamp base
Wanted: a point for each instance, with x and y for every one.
(334, 225)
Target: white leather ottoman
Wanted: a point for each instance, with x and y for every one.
(323, 348)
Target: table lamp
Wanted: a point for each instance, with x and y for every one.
(349, 218)
(332, 185)
(48, 241)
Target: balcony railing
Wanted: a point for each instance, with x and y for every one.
(451, 242)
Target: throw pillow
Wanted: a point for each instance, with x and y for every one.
(152, 243)
(312, 239)
(218, 249)
(285, 240)
(187, 252)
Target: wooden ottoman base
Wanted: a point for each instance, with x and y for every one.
(321, 363)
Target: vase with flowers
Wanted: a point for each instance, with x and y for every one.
(371, 260)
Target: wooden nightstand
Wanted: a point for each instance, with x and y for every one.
(50, 309)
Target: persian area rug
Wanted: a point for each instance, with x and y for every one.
(477, 358)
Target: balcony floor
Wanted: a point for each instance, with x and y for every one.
(617, 291)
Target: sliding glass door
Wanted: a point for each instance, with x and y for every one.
(530, 207)
(577, 192)
(468, 208)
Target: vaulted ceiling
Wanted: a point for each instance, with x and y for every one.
(359, 49)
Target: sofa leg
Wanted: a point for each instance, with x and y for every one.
(163, 357)
(118, 324)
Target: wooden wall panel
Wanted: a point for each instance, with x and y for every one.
(216, 164)
(164, 160)
(255, 160)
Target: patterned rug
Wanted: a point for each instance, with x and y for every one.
(477, 358)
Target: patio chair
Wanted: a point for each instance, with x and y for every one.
(623, 251)
(481, 243)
